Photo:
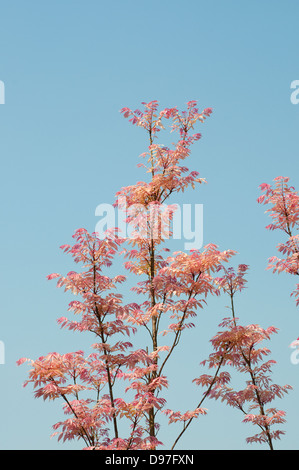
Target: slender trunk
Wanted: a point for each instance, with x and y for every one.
(110, 385)
(151, 414)
(154, 333)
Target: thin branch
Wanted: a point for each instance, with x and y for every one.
(200, 403)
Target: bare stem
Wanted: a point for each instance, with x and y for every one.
(200, 403)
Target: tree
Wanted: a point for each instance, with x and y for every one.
(172, 288)
(284, 211)
(236, 346)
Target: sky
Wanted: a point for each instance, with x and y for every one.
(68, 67)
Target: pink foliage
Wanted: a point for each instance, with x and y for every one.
(239, 347)
(122, 384)
(283, 202)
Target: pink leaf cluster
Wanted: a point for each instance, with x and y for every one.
(283, 203)
(239, 347)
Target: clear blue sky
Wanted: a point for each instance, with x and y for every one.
(69, 66)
